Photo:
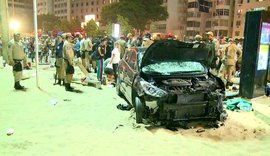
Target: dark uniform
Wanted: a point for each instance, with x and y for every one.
(59, 64)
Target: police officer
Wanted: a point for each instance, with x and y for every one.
(68, 60)
(230, 60)
(59, 64)
(16, 58)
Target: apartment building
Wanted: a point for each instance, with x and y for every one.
(45, 7)
(197, 22)
(219, 19)
(176, 22)
(241, 7)
(61, 9)
(85, 10)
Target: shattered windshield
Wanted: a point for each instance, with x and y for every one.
(168, 68)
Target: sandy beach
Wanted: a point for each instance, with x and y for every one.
(51, 121)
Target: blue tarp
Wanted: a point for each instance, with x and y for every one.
(239, 104)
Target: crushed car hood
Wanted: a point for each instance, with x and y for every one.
(173, 50)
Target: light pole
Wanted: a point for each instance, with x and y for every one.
(36, 39)
(13, 11)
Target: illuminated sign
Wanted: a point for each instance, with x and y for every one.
(263, 57)
(264, 47)
(265, 33)
(89, 17)
(116, 30)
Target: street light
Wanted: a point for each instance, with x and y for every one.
(15, 25)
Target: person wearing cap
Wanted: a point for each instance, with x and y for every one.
(59, 63)
(198, 39)
(229, 61)
(16, 59)
(68, 61)
(147, 40)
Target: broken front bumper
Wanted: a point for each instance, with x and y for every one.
(182, 107)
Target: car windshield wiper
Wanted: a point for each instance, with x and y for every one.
(193, 71)
(156, 72)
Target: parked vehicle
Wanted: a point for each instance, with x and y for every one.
(170, 80)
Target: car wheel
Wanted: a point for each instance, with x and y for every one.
(118, 91)
(223, 116)
(139, 109)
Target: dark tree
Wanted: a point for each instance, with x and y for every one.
(138, 12)
(48, 22)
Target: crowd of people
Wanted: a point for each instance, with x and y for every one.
(101, 55)
(227, 57)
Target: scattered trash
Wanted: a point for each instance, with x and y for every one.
(200, 130)
(126, 107)
(10, 131)
(120, 125)
(52, 102)
(136, 126)
(239, 104)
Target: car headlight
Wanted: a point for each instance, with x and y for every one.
(152, 90)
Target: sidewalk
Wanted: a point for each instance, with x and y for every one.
(51, 121)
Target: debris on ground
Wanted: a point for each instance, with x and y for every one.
(239, 104)
(10, 131)
(125, 107)
(200, 130)
(120, 125)
(52, 102)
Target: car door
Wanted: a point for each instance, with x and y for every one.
(132, 64)
(122, 73)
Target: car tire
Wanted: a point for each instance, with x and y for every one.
(117, 87)
(139, 109)
(222, 116)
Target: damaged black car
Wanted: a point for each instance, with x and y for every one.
(170, 81)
